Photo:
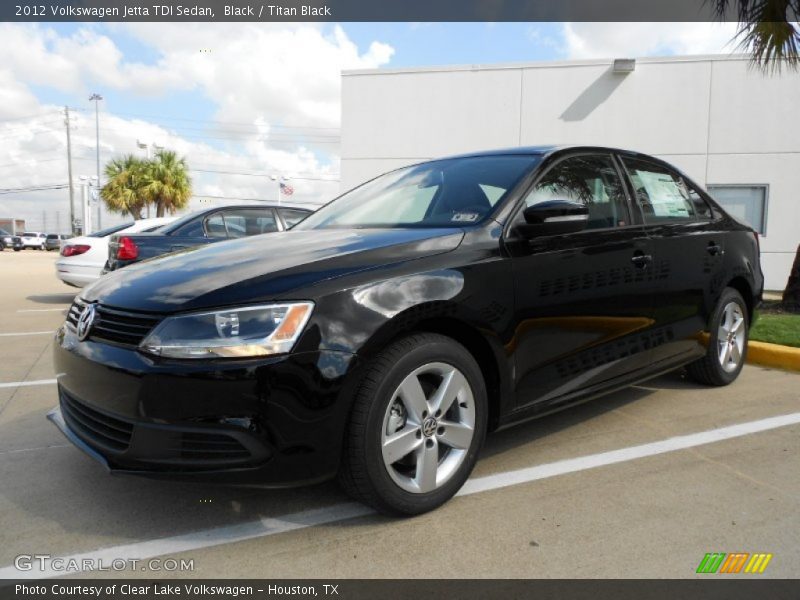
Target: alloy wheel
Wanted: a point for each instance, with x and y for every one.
(428, 427)
(731, 337)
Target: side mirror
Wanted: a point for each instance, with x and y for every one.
(554, 217)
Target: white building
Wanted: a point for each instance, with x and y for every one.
(729, 127)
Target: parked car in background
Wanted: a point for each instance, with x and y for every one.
(82, 258)
(380, 339)
(34, 239)
(53, 241)
(203, 227)
(8, 240)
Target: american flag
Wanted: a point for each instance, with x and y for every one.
(286, 189)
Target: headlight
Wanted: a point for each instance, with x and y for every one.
(230, 333)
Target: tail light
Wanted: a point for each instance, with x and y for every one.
(127, 249)
(74, 249)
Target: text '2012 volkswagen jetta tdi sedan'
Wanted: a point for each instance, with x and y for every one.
(382, 337)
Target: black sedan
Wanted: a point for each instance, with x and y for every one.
(202, 227)
(381, 338)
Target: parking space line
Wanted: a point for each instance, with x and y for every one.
(339, 512)
(13, 384)
(18, 333)
(572, 465)
(27, 310)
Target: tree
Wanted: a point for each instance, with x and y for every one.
(768, 30)
(123, 192)
(167, 182)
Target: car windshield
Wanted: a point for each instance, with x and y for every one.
(106, 232)
(452, 192)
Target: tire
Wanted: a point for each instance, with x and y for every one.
(727, 344)
(399, 484)
(17, 249)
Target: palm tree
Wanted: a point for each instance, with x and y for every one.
(123, 192)
(167, 182)
(768, 30)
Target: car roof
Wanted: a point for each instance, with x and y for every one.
(545, 149)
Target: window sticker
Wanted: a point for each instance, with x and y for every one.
(663, 194)
(465, 217)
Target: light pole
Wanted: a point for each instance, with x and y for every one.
(86, 200)
(146, 148)
(97, 97)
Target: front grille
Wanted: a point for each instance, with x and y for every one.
(113, 325)
(211, 447)
(95, 428)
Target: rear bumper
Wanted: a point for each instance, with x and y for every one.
(77, 275)
(277, 421)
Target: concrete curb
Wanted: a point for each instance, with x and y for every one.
(773, 355)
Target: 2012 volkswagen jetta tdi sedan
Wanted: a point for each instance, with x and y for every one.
(381, 338)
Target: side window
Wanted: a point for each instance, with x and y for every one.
(245, 222)
(292, 217)
(662, 194)
(590, 180)
(702, 209)
(215, 226)
(193, 228)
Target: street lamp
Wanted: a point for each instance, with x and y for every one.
(86, 197)
(146, 148)
(96, 98)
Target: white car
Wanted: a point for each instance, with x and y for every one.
(83, 258)
(33, 239)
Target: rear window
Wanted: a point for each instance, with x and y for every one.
(106, 232)
(293, 217)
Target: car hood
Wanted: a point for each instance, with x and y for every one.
(262, 267)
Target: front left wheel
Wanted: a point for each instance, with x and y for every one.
(417, 424)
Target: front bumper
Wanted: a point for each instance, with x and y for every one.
(276, 421)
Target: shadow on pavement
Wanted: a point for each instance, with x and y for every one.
(63, 298)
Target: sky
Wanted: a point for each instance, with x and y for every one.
(244, 101)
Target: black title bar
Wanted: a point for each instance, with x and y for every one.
(357, 10)
(707, 588)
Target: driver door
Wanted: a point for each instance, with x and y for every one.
(583, 301)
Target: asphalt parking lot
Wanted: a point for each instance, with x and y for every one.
(588, 492)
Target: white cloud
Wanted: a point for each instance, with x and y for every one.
(616, 40)
(262, 78)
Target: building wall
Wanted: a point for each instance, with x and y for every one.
(712, 116)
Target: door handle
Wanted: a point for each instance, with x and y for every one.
(714, 249)
(640, 260)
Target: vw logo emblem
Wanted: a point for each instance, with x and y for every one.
(429, 427)
(85, 321)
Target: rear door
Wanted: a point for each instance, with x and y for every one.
(689, 245)
(584, 301)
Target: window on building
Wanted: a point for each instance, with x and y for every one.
(748, 203)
